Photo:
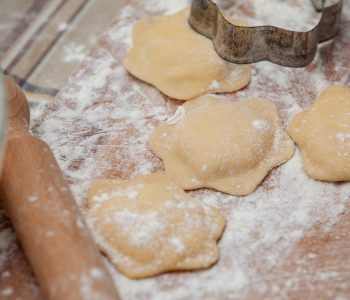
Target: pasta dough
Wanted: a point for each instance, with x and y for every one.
(149, 225)
(323, 135)
(226, 146)
(181, 63)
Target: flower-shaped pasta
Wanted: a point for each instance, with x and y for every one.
(149, 225)
(181, 63)
(226, 146)
(323, 135)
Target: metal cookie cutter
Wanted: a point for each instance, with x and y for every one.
(244, 45)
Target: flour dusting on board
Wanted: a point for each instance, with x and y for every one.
(7, 245)
(99, 127)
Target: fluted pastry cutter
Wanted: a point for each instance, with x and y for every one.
(240, 44)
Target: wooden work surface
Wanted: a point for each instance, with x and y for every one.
(89, 128)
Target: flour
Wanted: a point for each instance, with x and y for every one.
(343, 136)
(142, 228)
(281, 13)
(62, 26)
(287, 14)
(165, 6)
(100, 124)
(215, 84)
(97, 273)
(74, 52)
(6, 292)
(261, 125)
(179, 246)
(177, 117)
(7, 245)
(32, 199)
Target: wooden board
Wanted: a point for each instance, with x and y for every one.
(16, 277)
(98, 128)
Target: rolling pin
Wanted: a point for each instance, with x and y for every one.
(46, 219)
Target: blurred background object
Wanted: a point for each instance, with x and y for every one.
(43, 41)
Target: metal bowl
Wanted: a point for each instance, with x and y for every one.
(3, 116)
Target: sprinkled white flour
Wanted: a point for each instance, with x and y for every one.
(165, 6)
(287, 14)
(100, 124)
(215, 85)
(343, 136)
(74, 52)
(6, 292)
(261, 125)
(14, 268)
(179, 246)
(132, 223)
(179, 114)
(7, 245)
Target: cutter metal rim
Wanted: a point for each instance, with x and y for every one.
(244, 45)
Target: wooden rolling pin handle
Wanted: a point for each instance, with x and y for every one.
(19, 114)
(51, 230)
